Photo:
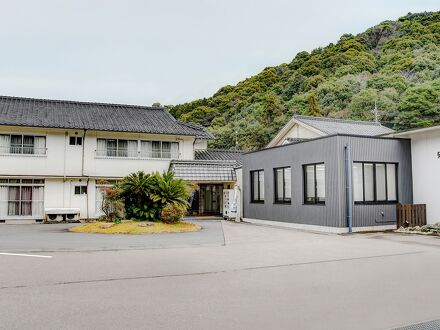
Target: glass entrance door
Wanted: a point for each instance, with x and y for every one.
(210, 198)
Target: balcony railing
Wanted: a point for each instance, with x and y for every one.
(22, 150)
(137, 154)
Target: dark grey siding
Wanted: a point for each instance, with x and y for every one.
(330, 151)
(379, 150)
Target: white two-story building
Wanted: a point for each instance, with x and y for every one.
(60, 154)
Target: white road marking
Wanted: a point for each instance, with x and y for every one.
(24, 255)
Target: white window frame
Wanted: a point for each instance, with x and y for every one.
(33, 150)
(20, 183)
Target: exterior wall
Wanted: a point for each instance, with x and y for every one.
(60, 193)
(63, 166)
(298, 131)
(201, 144)
(426, 177)
(330, 151)
(379, 150)
(295, 131)
(64, 160)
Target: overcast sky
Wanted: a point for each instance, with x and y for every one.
(140, 52)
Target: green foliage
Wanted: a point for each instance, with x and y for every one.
(313, 107)
(113, 204)
(172, 213)
(395, 63)
(146, 195)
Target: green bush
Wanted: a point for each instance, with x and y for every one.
(113, 204)
(172, 213)
(146, 195)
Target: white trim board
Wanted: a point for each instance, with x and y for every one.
(315, 228)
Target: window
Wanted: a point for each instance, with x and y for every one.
(80, 190)
(283, 185)
(374, 182)
(75, 140)
(159, 149)
(21, 197)
(314, 183)
(129, 148)
(22, 144)
(257, 186)
(117, 148)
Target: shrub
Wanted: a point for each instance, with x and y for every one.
(172, 213)
(145, 195)
(113, 204)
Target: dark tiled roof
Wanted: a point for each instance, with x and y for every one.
(17, 111)
(220, 154)
(204, 170)
(341, 126)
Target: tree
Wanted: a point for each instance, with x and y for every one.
(313, 108)
(271, 108)
(420, 107)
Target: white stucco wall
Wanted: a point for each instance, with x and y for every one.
(60, 193)
(299, 132)
(201, 144)
(426, 172)
(65, 160)
(63, 166)
(295, 131)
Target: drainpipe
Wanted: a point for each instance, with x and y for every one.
(64, 168)
(82, 172)
(348, 187)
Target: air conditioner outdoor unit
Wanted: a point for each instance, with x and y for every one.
(62, 214)
(54, 217)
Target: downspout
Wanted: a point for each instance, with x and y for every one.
(194, 144)
(82, 172)
(348, 187)
(64, 168)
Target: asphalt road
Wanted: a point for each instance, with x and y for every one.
(228, 276)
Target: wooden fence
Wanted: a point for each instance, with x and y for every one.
(411, 215)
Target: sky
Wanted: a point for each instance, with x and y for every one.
(141, 52)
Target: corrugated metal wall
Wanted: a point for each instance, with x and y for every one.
(329, 150)
(379, 150)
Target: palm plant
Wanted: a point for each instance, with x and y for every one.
(145, 195)
(168, 190)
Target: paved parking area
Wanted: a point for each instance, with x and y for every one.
(256, 278)
(56, 238)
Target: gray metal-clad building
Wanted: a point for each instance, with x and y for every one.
(381, 178)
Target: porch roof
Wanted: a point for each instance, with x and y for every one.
(204, 170)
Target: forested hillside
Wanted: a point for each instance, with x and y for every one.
(396, 64)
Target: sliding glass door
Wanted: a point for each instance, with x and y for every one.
(21, 198)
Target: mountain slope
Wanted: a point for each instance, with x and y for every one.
(395, 64)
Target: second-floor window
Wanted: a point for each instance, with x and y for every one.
(117, 148)
(129, 148)
(159, 149)
(22, 144)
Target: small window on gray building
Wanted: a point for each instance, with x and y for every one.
(257, 186)
(283, 185)
(374, 182)
(314, 183)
